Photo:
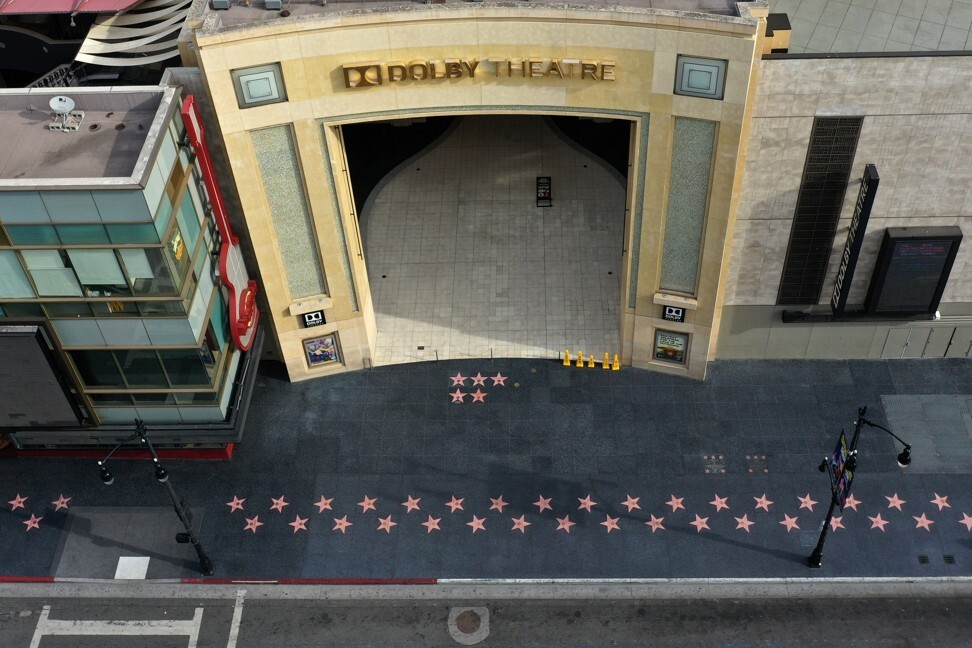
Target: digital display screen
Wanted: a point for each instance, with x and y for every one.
(912, 270)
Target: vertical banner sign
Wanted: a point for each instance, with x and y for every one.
(840, 477)
(543, 192)
(855, 238)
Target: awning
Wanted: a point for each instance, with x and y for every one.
(149, 33)
(9, 7)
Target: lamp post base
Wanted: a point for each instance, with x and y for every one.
(816, 559)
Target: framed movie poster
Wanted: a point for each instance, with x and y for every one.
(322, 350)
(671, 346)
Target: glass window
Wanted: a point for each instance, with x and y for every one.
(188, 221)
(175, 307)
(700, 77)
(163, 216)
(67, 309)
(13, 309)
(51, 273)
(154, 399)
(107, 308)
(141, 368)
(196, 398)
(148, 271)
(110, 399)
(97, 368)
(133, 233)
(33, 235)
(13, 280)
(177, 252)
(4, 241)
(99, 273)
(82, 234)
(185, 366)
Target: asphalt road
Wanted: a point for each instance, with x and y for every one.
(259, 622)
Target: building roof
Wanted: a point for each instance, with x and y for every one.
(8, 7)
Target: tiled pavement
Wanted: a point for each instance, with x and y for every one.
(695, 459)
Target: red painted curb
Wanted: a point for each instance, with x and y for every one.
(309, 581)
(26, 579)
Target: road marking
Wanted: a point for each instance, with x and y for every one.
(237, 617)
(75, 627)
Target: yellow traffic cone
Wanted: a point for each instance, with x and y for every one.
(566, 357)
(617, 363)
(580, 358)
(607, 363)
(590, 361)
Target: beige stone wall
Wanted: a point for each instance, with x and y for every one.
(643, 44)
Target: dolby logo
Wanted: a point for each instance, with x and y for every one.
(362, 76)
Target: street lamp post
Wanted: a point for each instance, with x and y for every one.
(162, 476)
(904, 459)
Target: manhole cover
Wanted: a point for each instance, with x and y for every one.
(468, 622)
(468, 625)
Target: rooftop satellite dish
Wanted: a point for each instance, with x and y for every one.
(61, 105)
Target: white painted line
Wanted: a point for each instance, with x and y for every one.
(237, 617)
(146, 628)
(132, 568)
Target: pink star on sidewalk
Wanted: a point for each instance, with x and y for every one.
(966, 520)
(499, 379)
(631, 503)
(852, 502)
(744, 523)
(342, 524)
(543, 503)
(477, 524)
(564, 524)
(656, 523)
(479, 396)
(432, 524)
(458, 379)
(941, 501)
(700, 523)
(719, 502)
(455, 504)
(923, 522)
(586, 503)
(877, 522)
(386, 524)
(299, 523)
(17, 502)
(458, 396)
(279, 504)
(253, 523)
(763, 502)
(498, 504)
(836, 523)
(520, 524)
(479, 379)
(368, 504)
(675, 503)
(610, 523)
(412, 504)
(806, 502)
(894, 501)
(236, 504)
(324, 504)
(33, 522)
(61, 502)
(789, 522)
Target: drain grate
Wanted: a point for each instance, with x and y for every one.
(714, 464)
(949, 559)
(756, 464)
(922, 559)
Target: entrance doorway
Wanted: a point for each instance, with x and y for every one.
(462, 262)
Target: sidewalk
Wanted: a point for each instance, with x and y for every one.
(682, 479)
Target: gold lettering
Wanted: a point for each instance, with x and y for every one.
(589, 69)
(418, 71)
(470, 67)
(453, 69)
(365, 74)
(396, 71)
(536, 69)
(555, 69)
(607, 70)
(570, 63)
(435, 72)
(497, 63)
(515, 66)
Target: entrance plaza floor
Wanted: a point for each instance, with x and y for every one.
(463, 264)
(552, 472)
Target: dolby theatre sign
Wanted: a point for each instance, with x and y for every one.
(365, 75)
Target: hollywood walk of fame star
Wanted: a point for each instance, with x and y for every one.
(656, 523)
(477, 524)
(611, 524)
(499, 379)
(253, 523)
(631, 503)
(432, 524)
(543, 503)
(586, 503)
(789, 522)
(894, 501)
(458, 379)
(33, 522)
(279, 504)
(520, 524)
(564, 524)
(368, 504)
(324, 504)
(852, 502)
(236, 504)
(62, 502)
(806, 502)
(837, 523)
(458, 396)
(675, 503)
(700, 523)
(941, 501)
(342, 524)
(386, 524)
(763, 502)
(923, 522)
(498, 504)
(455, 504)
(299, 523)
(479, 379)
(412, 504)
(744, 522)
(966, 520)
(719, 502)
(17, 502)
(877, 522)
(479, 396)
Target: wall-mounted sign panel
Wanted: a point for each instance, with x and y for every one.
(544, 195)
(673, 314)
(912, 270)
(671, 346)
(855, 238)
(314, 318)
